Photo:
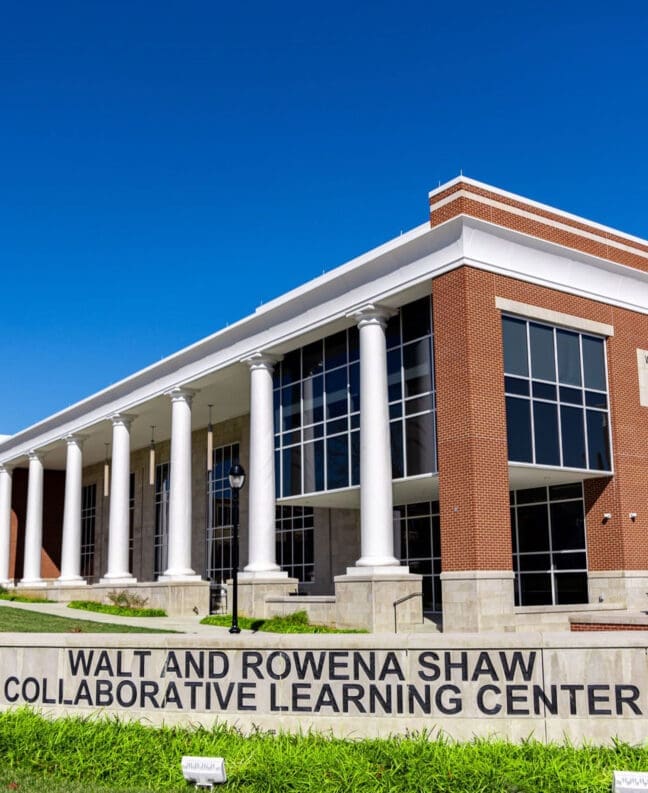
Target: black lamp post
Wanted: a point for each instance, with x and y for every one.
(236, 480)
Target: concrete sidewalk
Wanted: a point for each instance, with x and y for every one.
(180, 624)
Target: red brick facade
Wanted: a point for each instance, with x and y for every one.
(473, 479)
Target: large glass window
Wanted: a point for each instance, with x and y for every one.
(131, 521)
(88, 522)
(420, 547)
(219, 514)
(549, 547)
(161, 537)
(295, 527)
(317, 406)
(556, 396)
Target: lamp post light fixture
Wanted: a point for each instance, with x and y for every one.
(236, 480)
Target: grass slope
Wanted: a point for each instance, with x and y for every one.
(113, 757)
(14, 620)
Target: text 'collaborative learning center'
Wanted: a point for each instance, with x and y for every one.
(452, 424)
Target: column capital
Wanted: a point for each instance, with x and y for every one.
(261, 360)
(7, 468)
(36, 454)
(75, 439)
(181, 394)
(372, 314)
(122, 419)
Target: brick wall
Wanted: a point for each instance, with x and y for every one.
(472, 425)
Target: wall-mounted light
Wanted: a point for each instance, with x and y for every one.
(607, 516)
(152, 457)
(633, 516)
(210, 443)
(204, 771)
(106, 473)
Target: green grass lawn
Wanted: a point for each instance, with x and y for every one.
(14, 620)
(108, 756)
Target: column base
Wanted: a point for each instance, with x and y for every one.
(378, 599)
(377, 570)
(8, 583)
(264, 572)
(613, 587)
(118, 579)
(253, 589)
(478, 600)
(32, 583)
(263, 575)
(170, 576)
(76, 581)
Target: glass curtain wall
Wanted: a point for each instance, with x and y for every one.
(161, 537)
(219, 514)
(88, 522)
(295, 527)
(420, 547)
(317, 406)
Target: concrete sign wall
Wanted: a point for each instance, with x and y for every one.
(587, 687)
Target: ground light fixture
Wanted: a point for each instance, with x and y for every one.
(204, 771)
(236, 480)
(629, 781)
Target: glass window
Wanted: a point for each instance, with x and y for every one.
(573, 437)
(218, 532)
(337, 462)
(88, 522)
(594, 363)
(568, 357)
(518, 430)
(549, 545)
(161, 536)
(417, 526)
(516, 359)
(295, 530)
(598, 440)
(543, 362)
(566, 426)
(545, 428)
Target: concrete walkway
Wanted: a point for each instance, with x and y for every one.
(180, 624)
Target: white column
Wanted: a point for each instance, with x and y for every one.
(261, 475)
(119, 521)
(34, 523)
(179, 568)
(71, 544)
(376, 505)
(5, 524)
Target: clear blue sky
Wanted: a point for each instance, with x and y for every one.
(165, 167)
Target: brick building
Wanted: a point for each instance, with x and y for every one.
(450, 422)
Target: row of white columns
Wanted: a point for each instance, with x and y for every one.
(377, 549)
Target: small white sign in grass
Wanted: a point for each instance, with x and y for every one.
(204, 771)
(629, 781)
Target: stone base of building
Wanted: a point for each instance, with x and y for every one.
(478, 600)
(254, 589)
(177, 599)
(378, 601)
(629, 587)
